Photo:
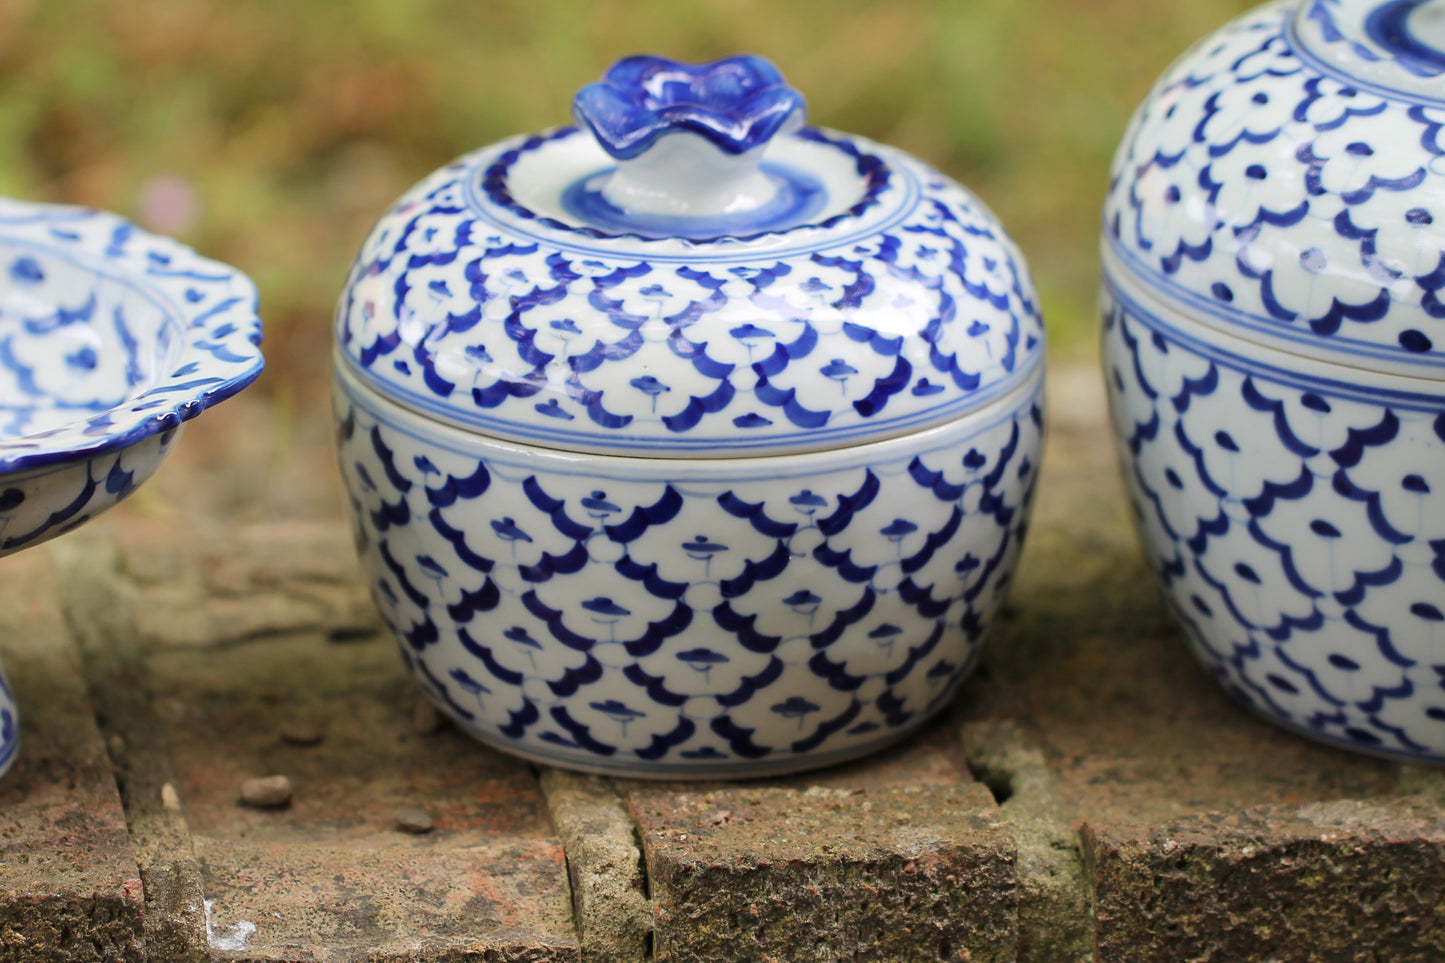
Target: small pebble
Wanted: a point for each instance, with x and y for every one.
(170, 799)
(410, 819)
(424, 718)
(301, 734)
(266, 792)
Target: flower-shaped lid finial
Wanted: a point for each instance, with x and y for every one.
(688, 138)
(737, 103)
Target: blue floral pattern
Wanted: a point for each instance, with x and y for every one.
(1297, 523)
(1275, 347)
(1284, 196)
(111, 334)
(649, 617)
(110, 338)
(901, 312)
(698, 454)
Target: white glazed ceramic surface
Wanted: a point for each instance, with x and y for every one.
(1295, 512)
(1274, 248)
(110, 339)
(691, 441)
(1301, 209)
(680, 617)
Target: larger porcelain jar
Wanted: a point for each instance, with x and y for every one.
(689, 440)
(1275, 343)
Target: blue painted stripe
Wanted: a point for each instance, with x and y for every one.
(702, 445)
(1251, 363)
(1309, 59)
(1348, 350)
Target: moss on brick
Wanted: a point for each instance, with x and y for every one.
(923, 873)
(1354, 880)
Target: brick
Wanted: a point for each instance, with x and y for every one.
(929, 757)
(609, 893)
(1351, 880)
(386, 897)
(1055, 915)
(331, 877)
(859, 863)
(256, 580)
(1419, 780)
(100, 610)
(70, 889)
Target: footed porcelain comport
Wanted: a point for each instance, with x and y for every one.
(1274, 341)
(689, 441)
(110, 339)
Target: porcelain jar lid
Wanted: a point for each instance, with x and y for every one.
(1285, 180)
(689, 271)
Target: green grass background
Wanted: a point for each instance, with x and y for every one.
(294, 123)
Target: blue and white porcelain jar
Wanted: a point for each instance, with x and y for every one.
(689, 441)
(1274, 340)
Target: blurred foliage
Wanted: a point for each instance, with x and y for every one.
(270, 134)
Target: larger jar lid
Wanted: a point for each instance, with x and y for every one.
(1284, 180)
(689, 271)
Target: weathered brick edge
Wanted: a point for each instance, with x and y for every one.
(100, 613)
(764, 872)
(604, 864)
(70, 891)
(1341, 880)
(1352, 880)
(1055, 903)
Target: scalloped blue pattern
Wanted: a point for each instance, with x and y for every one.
(1276, 195)
(466, 306)
(1297, 525)
(748, 621)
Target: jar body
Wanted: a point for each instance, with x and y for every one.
(675, 617)
(1294, 513)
